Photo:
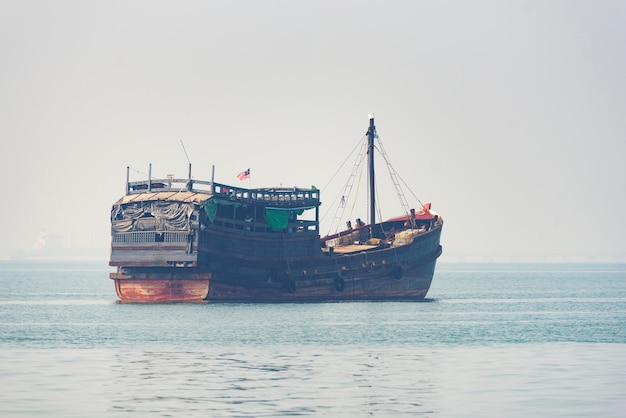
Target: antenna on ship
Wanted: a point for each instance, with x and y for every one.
(189, 161)
(186, 155)
(127, 179)
(371, 134)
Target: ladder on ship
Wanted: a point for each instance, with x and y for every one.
(357, 171)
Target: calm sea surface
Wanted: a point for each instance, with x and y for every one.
(492, 340)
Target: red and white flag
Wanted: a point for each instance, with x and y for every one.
(244, 175)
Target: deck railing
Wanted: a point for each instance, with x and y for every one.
(281, 196)
(149, 236)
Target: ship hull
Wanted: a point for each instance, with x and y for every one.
(157, 285)
(387, 283)
(402, 273)
(413, 285)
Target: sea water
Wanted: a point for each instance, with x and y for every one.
(491, 340)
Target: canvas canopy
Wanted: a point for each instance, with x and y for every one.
(151, 216)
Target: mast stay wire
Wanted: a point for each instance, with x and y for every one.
(344, 195)
(379, 212)
(186, 155)
(343, 188)
(409, 189)
(358, 144)
(395, 177)
(403, 203)
(357, 171)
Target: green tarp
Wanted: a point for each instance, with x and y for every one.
(278, 218)
(210, 207)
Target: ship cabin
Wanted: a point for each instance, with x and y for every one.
(180, 222)
(265, 210)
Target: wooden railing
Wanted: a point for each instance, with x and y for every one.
(149, 236)
(281, 196)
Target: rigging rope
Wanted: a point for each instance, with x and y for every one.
(344, 196)
(356, 175)
(344, 163)
(394, 175)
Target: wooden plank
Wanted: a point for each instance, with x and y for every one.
(353, 248)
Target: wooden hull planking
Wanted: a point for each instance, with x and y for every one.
(412, 284)
(160, 288)
(377, 280)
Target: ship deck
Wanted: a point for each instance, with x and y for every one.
(350, 249)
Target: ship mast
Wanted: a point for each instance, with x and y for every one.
(371, 134)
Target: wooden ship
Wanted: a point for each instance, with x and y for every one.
(176, 240)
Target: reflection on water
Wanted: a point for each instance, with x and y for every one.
(53, 383)
(564, 380)
(273, 382)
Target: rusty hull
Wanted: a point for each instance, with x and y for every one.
(160, 289)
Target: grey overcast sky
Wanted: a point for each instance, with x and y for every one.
(509, 116)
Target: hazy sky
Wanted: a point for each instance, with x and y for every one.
(509, 116)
